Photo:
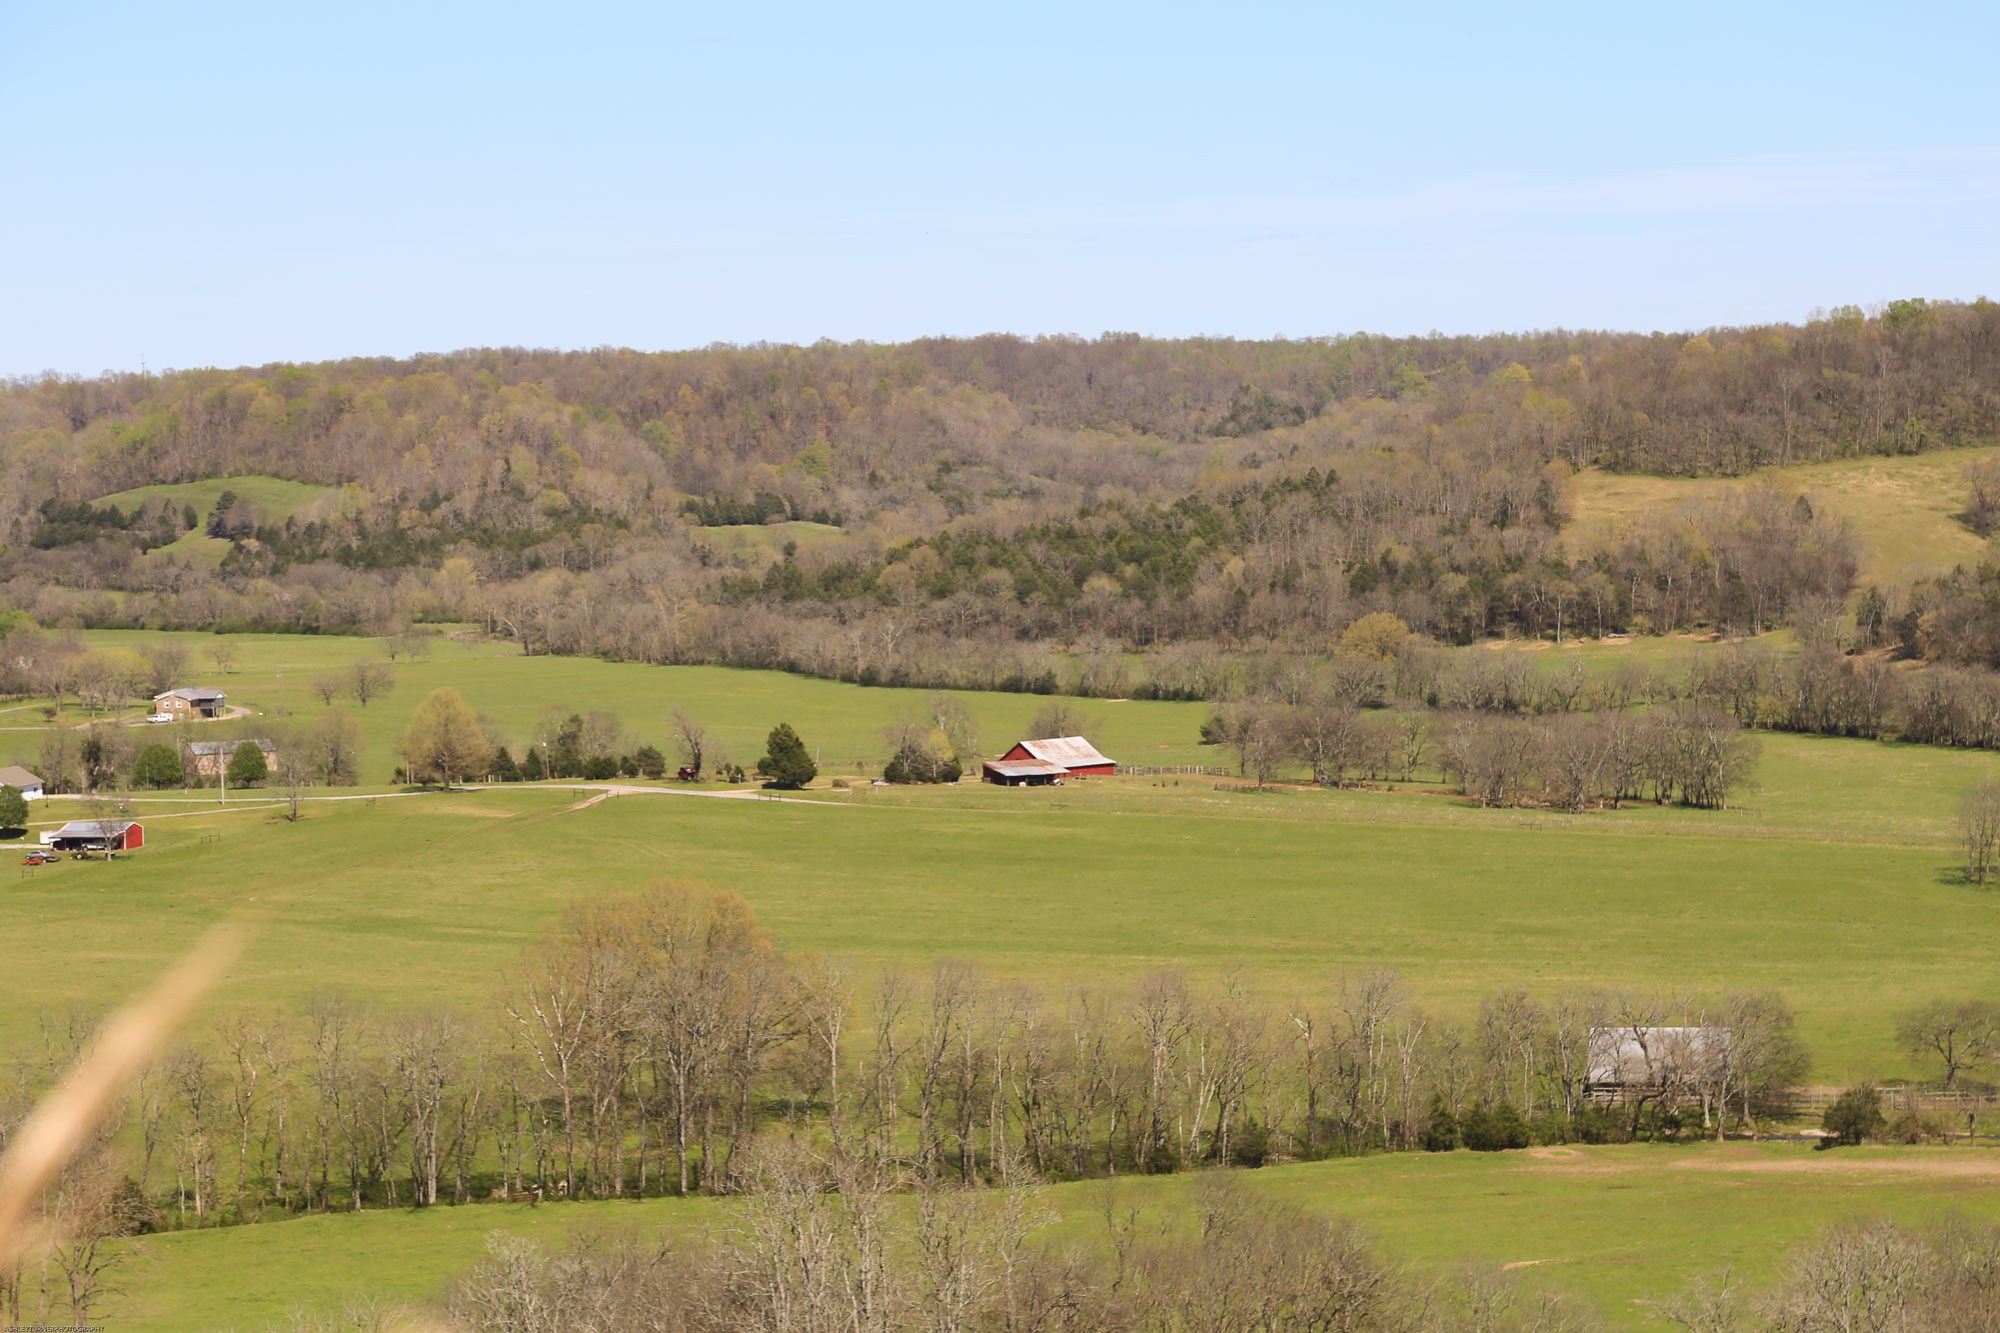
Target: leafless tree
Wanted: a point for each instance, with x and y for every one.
(1979, 831)
(691, 738)
(1062, 717)
(169, 662)
(369, 679)
(1960, 1033)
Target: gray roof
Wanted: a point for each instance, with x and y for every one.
(192, 693)
(229, 747)
(93, 828)
(13, 775)
(1649, 1055)
(1025, 768)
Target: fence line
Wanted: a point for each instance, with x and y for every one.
(1904, 1097)
(1171, 770)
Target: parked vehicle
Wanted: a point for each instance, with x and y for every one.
(41, 856)
(686, 774)
(160, 717)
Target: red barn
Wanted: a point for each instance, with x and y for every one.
(90, 835)
(1035, 763)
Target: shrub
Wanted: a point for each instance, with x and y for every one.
(916, 762)
(1855, 1115)
(1441, 1132)
(1915, 1126)
(1597, 1124)
(1249, 1144)
(1491, 1129)
(651, 762)
(13, 812)
(600, 768)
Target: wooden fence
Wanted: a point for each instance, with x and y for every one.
(1904, 1097)
(1171, 770)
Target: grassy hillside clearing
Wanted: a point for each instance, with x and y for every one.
(1619, 1225)
(274, 498)
(1905, 508)
(742, 539)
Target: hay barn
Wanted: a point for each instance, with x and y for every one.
(1045, 762)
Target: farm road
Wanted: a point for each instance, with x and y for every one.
(620, 789)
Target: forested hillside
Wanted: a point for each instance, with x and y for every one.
(997, 491)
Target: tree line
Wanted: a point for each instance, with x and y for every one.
(819, 1251)
(644, 1043)
(663, 1044)
(1258, 487)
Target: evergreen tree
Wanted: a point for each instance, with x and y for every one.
(13, 811)
(247, 765)
(786, 764)
(503, 766)
(218, 517)
(651, 763)
(1441, 1133)
(158, 765)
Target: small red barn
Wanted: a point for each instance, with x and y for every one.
(1046, 760)
(91, 835)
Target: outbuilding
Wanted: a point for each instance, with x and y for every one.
(192, 701)
(21, 780)
(210, 759)
(96, 835)
(1039, 763)
(1020, 773)
(1642, 1060)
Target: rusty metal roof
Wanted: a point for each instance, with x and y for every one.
(1069, 751)
(1025, 768)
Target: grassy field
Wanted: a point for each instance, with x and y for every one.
(274, 498)
(1903, 508)
(1620, 1226)
(741, 539)
(1832, 882)
(1844, 901)
(273, 675)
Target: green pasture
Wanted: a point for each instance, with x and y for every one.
(273, 497)
(742, 539)
(1904, 508)
(273, 675)
(1619, 1226)
(419, 899)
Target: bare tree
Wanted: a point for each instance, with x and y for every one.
(169, 661)
(1961, 1033)
(294, 771)
(369, 679)
(223, 653)
(691, 739)
(1062, 717)
(1979, 830)
(329, 686)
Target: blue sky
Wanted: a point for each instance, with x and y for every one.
(224, 185)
